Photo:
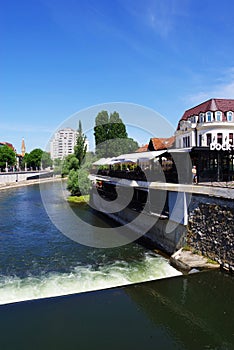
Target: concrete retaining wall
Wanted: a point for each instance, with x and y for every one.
(165, 234)
(12, 177)
(210, 228)
(6, 178)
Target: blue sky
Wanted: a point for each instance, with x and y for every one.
(62, 56)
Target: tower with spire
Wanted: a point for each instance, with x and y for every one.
(23, 148)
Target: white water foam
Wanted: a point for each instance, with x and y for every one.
(83, 279)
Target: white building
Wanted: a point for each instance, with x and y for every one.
(63, 143)
(209, 124)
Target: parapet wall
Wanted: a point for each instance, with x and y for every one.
(12, 177)
(211, 228)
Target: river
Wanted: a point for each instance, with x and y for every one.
(37, 262)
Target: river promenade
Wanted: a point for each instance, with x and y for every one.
(5, 186)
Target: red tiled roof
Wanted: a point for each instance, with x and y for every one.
(142, 148)
(157, 143)
(213, 105)
(8, 144)
(161, 143)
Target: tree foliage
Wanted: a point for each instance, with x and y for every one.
(76, 166)
(37, 158)
(80, 148)
(111, 137)
(78, 182)
(7, 155)
(46, 160)
(69, 163)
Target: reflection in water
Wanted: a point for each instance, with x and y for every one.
(195, 310)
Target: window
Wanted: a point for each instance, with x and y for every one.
(220, 138)
(186, 141)
(231, 138)
(201, 118)
(229, 117)
(218, 116)
(208, 139)
(193, 119)
(208, 116)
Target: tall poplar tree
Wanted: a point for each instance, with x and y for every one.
(78, 182)
(111, 137)
(81, 148)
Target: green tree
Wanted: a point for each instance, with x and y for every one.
(46, 161)
(72, 183)
(101, 128)
(69, 163)
(33, 159)
(111, 137)
(7, 155)
(78, 182)
(121, 146)
(81, 148)
(57, 166)
(37, 158)
(117, 129)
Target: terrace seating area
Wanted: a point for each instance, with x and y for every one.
(139, 175)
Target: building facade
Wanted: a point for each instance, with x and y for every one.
(209, 123)
(208, 130)
(63, 143)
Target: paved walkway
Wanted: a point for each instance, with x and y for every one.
(228, 184)
(6, 186)
(204, 189)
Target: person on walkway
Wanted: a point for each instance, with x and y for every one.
(194, 172)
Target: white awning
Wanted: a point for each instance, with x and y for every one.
(130, 157)
(102, 161)
(134, 157)
(114, 161)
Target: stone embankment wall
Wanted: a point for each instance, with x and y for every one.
(211, 229)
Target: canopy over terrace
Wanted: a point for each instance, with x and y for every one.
(102, 161)
(130, 157)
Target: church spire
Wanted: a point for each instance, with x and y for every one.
(23, 148)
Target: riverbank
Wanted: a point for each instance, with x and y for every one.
(78, 200)
(6, 186)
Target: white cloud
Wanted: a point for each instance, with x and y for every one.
(224, 88)
(161, 16)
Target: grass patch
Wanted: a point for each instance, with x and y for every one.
(186, 248)
(210, 261)
(79, 200)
